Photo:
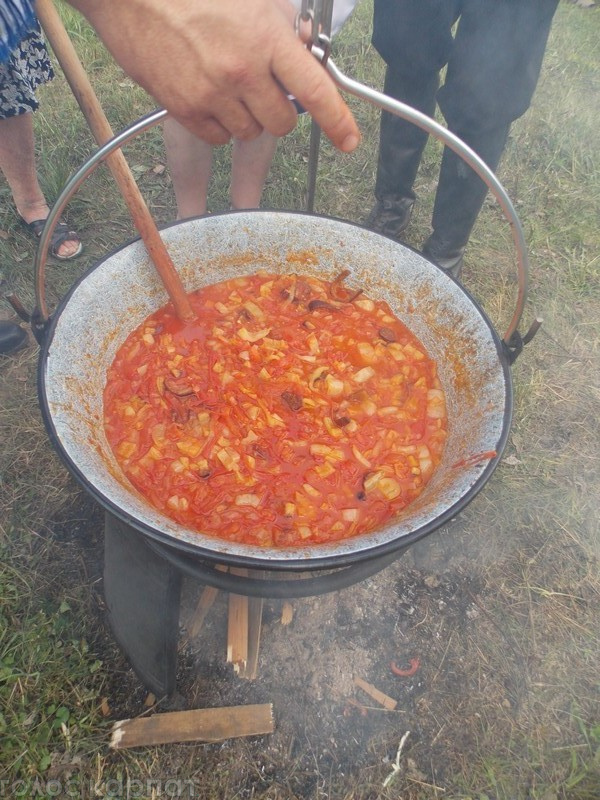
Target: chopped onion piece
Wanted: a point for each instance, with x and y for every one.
(436, 405)
(324, 470)
(367, 352)
(369, 407)
(247, 336)
(178, 503)
(255, 310)
(250, 437)
(389, 488)
(126, 449)
(313, 343)
(364, 374)
(335, 387)
(320, 450)
(365, 304)
(359, 457)
(311, 490)
(371, 480)
(189, 447)
(247, 500)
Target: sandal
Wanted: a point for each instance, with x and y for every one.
(60, 234)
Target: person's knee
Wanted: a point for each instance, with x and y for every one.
(414, 36)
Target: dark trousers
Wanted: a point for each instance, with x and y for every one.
(493, 64)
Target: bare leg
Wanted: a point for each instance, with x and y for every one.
(189, 160)
(17, 162)
(249, 169)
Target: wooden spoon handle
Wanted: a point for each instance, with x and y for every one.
(100, 127)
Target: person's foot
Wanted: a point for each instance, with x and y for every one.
(449, 258)
(65, 243)
(391, 216)
(12, 337)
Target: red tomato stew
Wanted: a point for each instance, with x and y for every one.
(290, 412)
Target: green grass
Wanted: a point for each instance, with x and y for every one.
(41, 650)
(508, 707)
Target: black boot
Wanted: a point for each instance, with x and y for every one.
(459, 198)
(12, 337)
(440, 253)
(391, 216)
(401, 146)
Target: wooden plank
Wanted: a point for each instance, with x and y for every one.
(383, 699)
(205, 603)
(237, 628)
(255, 610)
(201, 725)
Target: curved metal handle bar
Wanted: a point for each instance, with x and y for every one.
(39, 265)
(352, 87)
(460, 148)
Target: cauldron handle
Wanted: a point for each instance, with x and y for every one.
(41, 316)
(512, 340)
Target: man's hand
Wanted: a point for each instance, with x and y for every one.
(222, 68)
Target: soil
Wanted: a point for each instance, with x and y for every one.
(325, 725)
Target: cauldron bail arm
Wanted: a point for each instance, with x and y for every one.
(40, 314)
(102, 132)
(512, 340)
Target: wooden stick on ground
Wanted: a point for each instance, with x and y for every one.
(383, 699)
(202, 725)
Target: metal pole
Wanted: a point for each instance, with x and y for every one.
(322, 18)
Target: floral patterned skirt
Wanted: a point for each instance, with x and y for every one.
(28, 67)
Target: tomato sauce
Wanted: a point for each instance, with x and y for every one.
(290, 412)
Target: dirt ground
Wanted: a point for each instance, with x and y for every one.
(427, 610)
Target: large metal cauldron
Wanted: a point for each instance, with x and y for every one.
(118, 293)
(79, 341)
